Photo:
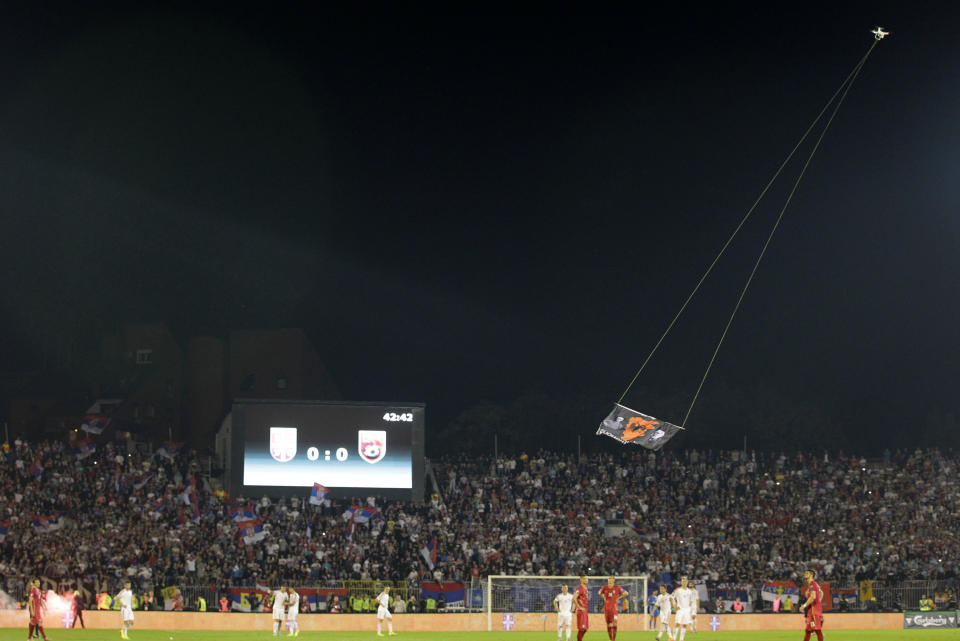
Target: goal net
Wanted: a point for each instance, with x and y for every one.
(508, 593)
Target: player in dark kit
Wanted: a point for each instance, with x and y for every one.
(581, 601)
(36, 606)
(611, 594)
(813, 606)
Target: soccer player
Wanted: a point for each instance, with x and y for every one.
(665, 605)
(279, 607)
(383, 612)
(36, 606)
(683, 598)
(563, 602)
(582, 602)
(125, 597)
(654, 612)
(814, 607)
(293, 608)
(611, 594)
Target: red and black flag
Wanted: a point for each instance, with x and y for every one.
(633, 428)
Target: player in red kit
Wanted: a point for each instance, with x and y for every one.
(581, 602)
(813, 606)
(611, 594)
(36, 606)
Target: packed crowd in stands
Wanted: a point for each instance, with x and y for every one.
(118, 514)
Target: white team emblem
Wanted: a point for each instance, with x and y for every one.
(283, 443)
(657, 435)
(372, 445)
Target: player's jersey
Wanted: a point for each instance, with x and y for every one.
(817, 606)
(564, 602)
(293, 601)
(683, 597)
(279, 599)
(126, 599)
(383, 600)
(611, 594)
(663, 602)
(35, 601)
(583, 598)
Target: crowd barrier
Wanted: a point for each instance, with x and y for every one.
(445, 622)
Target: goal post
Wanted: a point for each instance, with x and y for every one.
(514, 593)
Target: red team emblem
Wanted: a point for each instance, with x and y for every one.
(283, 443)
(372, 445)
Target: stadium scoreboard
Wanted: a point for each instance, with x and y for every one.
(354, 449)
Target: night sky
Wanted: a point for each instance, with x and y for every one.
(464, 205)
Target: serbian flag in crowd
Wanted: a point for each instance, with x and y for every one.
(782, 588)
(848, 596)
(169, 450)
(4, 530)
(190, 494)
(248, 599)
(158, 507)
(94, 423)
(429, 552)
(45, 522)
(245, 513)
(351, 512)
(317, 494)
(142, 479)
(83, 448)
(364, 514)
(36, 469)
(633, 428)
(453, 593)
(251, 531)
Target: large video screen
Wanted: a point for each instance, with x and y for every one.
(281, 448)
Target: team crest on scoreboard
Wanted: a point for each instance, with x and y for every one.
(283, 443)
(372, 445)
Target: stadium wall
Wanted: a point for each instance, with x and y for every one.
(439, 622)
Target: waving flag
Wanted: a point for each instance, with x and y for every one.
(631, 427)
(158, 507)
(351, 513)
(244, 513)
(169, 450)
(45, 522)
(83, 448)
(364, 514)
(785, 589)
(36, 469)
(190, 493)
(94, 423)
(429, 552)
(4, 530)
(142, 479)
(251, 531)
(317, 494)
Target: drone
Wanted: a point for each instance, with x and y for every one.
(879, 33)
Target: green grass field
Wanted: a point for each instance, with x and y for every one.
(55, 634)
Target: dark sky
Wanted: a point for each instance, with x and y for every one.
(464, 204)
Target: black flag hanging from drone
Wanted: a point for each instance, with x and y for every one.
(631, 427)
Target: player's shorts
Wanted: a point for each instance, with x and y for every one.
(814, 621)
(292, 613)
(583, 620)
(610, 616)
(36, 620)
(126, 614)
(383, 613)
(564, 619)
(278, 614)
(683, 616)
(655, 613)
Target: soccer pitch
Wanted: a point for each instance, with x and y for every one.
(59, 634)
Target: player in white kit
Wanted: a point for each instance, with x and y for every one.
(665, 603)
(125, 597)
(279, 608)
(684, 598)
(564, 604)
(383, 612)
(293, 609)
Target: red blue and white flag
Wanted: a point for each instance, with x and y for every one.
(251, 531)
(245, 513)
(4, 530)
(169, 450)
(83, 448)
(45, 522)
(429, 552)
(36, 469)
(317, 494)
(94, 423)
(364, 514)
